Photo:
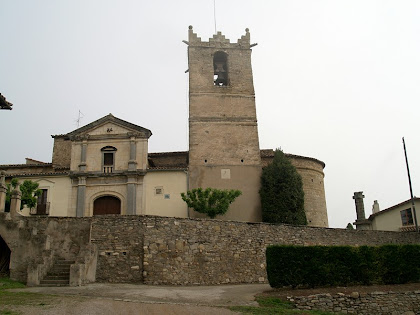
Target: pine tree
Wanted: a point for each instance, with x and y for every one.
(282, 197)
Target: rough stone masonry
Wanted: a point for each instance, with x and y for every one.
(163, 250)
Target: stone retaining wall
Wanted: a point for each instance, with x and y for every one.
(197, 251)
(120, 247)
(392, 303)
(175, 251)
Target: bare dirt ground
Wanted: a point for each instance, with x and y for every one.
(72, 305)
(107, 299)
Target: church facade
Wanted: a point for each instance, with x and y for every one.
(105, 167)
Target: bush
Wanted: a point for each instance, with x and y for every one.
(315, 266)
(210, 201)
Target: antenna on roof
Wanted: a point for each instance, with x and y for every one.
(214, 13)
(413, 207)
(79, 118)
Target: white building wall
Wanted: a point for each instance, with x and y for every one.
(163, 193)
(390, 220)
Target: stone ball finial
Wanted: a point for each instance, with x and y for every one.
(190, 27)
(247, 30)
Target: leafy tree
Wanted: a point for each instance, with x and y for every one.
(210, 201)
(13, 184)
(281, 192)
(29, 190)
(349, 226)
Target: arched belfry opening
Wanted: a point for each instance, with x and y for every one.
(4, 258)
(220, 69)
(107, 205)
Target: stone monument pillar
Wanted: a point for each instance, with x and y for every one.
(15, 204)
(3, 190)
(361, 222)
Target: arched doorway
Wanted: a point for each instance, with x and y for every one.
(107, 205)
(4, 258)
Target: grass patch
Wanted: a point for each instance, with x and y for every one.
(6, 283)
(272, 305)
(11, 299)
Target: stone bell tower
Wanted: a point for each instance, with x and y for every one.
(224, 150)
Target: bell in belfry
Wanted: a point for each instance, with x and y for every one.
(220, 73)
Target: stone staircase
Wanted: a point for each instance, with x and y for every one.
(59, 274)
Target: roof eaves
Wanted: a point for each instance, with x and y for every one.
(393, 207)
(110, 118)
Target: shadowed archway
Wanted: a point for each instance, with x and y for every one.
(4, 258)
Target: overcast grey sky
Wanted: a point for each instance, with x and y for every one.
(334, 80)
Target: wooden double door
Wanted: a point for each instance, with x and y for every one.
(107, 205)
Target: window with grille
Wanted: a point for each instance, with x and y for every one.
(406, 217)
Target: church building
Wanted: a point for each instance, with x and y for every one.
(105, 168)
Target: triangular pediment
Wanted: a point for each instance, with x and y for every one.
(110, 125)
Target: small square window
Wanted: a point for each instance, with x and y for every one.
(159, 190)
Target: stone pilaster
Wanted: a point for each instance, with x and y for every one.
(3, 190)
(82, 165)
(15, 202)
(81, 195)
(132, 163)
(131, 194)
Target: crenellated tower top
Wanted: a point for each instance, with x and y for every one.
(219, 40)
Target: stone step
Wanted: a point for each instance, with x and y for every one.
(64, 262)
(59, 273)
(54, 282)
(61, 267)
(56, 277)
(53, 285)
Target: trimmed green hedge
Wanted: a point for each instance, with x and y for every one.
(317, 266)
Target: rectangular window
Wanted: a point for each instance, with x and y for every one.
(108, 162)
(407, 217)
(108, 159)
(42, 204)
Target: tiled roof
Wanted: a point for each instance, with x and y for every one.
(267, 153)
(168, 153)
(34, 162)
(25, 165)
(169, 168)
(392, 208)
(5, 104)
(36, 174)
(60, 136)
(107, 118)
